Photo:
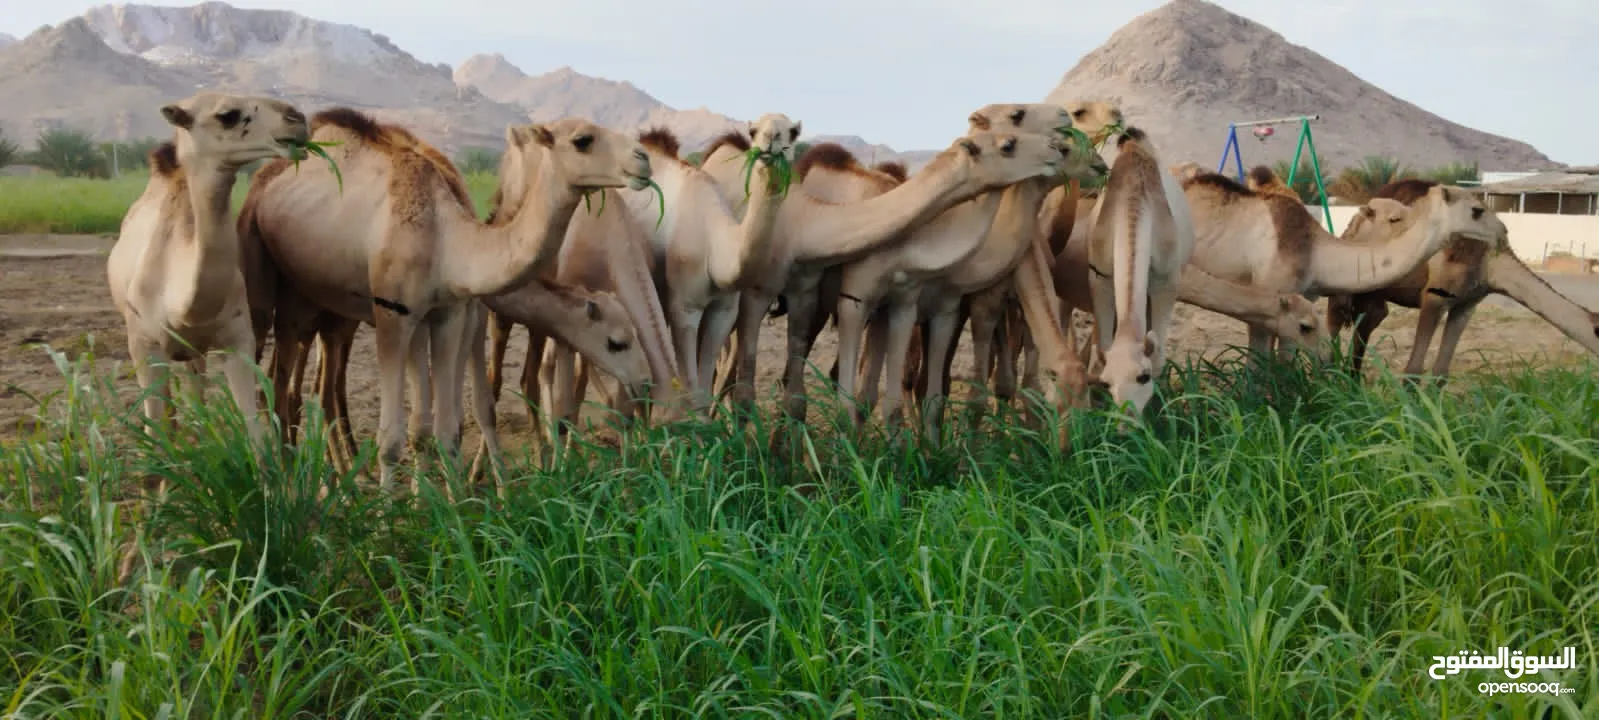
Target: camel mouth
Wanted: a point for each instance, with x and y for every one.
(637, 182)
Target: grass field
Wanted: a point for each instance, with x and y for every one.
(1273, 544)
(49, 204)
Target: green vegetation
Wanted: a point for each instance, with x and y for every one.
(1272, 544)
(47, 204)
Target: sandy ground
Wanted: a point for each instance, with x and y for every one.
(52, 290)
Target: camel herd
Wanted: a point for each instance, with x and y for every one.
(619, 256)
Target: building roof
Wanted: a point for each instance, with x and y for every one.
(1557, 181)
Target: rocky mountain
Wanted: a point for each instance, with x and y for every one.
(1185, 70)
(6, 39)
(620, 105)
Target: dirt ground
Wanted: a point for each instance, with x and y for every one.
(53, 291)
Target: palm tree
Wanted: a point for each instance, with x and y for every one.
(1358, 183)
(1304, 184)
(69, 153)
(1453, 173)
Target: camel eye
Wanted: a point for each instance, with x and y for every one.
(582, 142)
(229, 118)
(1143, 378)
(1476, 213)
(616, 346)
(1079, 113)
(1009, 146)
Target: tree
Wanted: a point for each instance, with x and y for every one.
(1453, 173)
(475, 160)
(69, 153)
(9, 151)
(1358, 183)
(131, 155)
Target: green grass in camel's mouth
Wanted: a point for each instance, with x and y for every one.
(300, 150)
(660, 199)
(782, 169)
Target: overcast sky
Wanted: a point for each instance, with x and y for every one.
(906, 72)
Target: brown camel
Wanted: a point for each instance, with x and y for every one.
(393, 269)
(1452, 282)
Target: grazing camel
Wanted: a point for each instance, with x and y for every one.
(814, 234)
(995, 313)
(970, 248)
(1453, 282)
(1142, 235)
(712, 243)
(412, 269)
(1272, 242)
(1289, 316)
(175, 272)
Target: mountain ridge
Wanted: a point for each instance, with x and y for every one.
(1187, 69)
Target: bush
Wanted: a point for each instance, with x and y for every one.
(68, 152)
(478, 160)
(9, 151)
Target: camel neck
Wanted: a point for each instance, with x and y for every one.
(503, 256)
(206, 193)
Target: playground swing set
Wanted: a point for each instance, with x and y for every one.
(1263, 130)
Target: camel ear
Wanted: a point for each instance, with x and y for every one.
(1369, 212)
(1283, 303)
(1450, 196)
(1149, 344)
(524, 135)
(591, 309)
(794, 133)
(979, 121)
(971, 147)
(177, 117)
(751, 131)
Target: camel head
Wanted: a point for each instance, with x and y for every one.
(996, 160)
(231, 131)
(1096, 119)
(1461, 213)
(1083, 163)
(586, 156)
(774, 134)
(604, 315)
(1298, 322)
(1129, 371)
(1378, 219)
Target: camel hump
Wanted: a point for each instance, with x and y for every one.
(893, 169)
(832, 156)
(661, 139)
(164, 159)
(1407, 191)
(731, 138)
(1262, 176)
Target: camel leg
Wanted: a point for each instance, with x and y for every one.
(499, 331)
(1369, 321)
(686, 339)
(555, 374)
(445, 338)
(489, 458)
(1454, 327)
(532, 389)
(152, 368)
(752, 309)
(987, 313)
(394, 332)
(940, 333)
(419, 378)
(330, 378)
(853, 313)
(1432, 309)
(236, 368)
(341, 375)
(716, 326)
(901, 319)
(874, 354)
(803, 309)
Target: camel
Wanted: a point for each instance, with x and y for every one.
(711, 244)
(972, 247)
(1453, 282)
(995, 313)
(175, 272)
(1142, 236)
(1274, 243)
(1289, 316)
(814, 234)
(396, 271)
(604, 252)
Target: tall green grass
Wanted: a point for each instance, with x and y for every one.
(1270, 544)
(50, 204)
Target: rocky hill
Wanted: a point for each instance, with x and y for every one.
(1185, 70)
(619, 105)
(6, 39)
(111, 67)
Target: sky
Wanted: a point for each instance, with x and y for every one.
(907, 72)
